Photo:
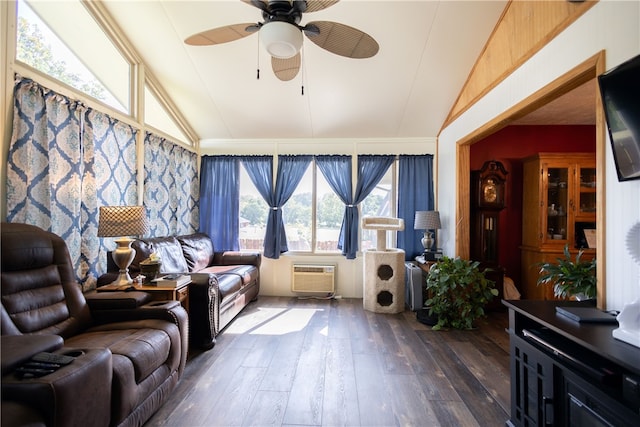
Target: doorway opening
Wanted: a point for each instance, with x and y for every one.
(578, 76)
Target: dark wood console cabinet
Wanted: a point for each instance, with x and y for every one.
(567, 373)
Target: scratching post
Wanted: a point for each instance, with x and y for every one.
(383, 269)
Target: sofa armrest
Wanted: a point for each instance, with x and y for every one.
(205, 314)
(237, 258)
(118, 300)
(58, 396)
(17, 349)
(170, 311)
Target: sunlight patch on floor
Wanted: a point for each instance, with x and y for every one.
(273, 321)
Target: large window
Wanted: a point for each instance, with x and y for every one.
(298, 214)
(313, 215)
(79, 55)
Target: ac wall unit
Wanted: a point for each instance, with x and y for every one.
(313, 278)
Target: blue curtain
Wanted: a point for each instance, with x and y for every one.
(415, 193)
(371, 169)
(290, 172)
(220, 201)
(337, 172)
(260, 171)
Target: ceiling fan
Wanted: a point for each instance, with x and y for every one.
(281, 34)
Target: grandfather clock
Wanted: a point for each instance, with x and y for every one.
(488, 199)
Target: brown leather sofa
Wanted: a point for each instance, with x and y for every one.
(223, 282)
(130, 353)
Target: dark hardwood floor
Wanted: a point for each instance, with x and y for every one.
(286, 362)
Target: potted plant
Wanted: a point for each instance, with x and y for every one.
(570, 278)
(457, 292)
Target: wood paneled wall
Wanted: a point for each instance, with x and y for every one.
(524, 28)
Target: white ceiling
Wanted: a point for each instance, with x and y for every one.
(427, 50)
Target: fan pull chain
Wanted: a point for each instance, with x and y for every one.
(302, 70)
(258, 59)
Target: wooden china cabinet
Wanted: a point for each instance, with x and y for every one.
(558, 208)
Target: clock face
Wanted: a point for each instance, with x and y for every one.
(489, 191)
(489, 186)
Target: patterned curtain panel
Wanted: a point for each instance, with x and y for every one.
(109, 179)
(64, 161)
(171, 187)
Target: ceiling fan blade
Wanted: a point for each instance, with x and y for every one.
(224, 34)
(316, 5)
(260, 4)
(343, 40)
(286, 69)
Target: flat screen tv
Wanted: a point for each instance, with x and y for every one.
(620, 90)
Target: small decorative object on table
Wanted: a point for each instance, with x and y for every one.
(172, 280)
(150, 267)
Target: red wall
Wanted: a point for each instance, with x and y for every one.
(509, 146)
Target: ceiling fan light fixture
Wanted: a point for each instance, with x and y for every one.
(281, 39)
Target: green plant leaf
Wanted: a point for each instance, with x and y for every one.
(569, 277)
(458, 291)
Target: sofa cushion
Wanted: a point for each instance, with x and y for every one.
(146, 349)
(197, 249)
(247, 273)
(228, 285)
(169, 250)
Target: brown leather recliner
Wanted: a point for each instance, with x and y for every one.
(137, 348)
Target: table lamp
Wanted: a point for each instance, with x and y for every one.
(427, 221)
(122, 222)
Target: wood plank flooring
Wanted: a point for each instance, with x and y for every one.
(309, 362)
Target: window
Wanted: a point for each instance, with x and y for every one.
(313, 215)
(298, 214)
(329, 216)
(156, 116)
(253, 214)
(79, 55)
(315, 203)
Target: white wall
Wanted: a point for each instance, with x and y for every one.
(276, 274)
(610, 25)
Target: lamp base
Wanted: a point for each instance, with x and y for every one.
(427, 241)
(122, 257)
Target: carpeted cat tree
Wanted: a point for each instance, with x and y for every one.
(383, 269)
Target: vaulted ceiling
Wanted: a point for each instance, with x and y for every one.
(427, 50)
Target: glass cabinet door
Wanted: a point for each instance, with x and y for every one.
(587, 192)
(585, 216)
(557, 203)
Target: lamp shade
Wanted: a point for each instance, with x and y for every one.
(281, 39)
(116, 221)
(427, 220)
